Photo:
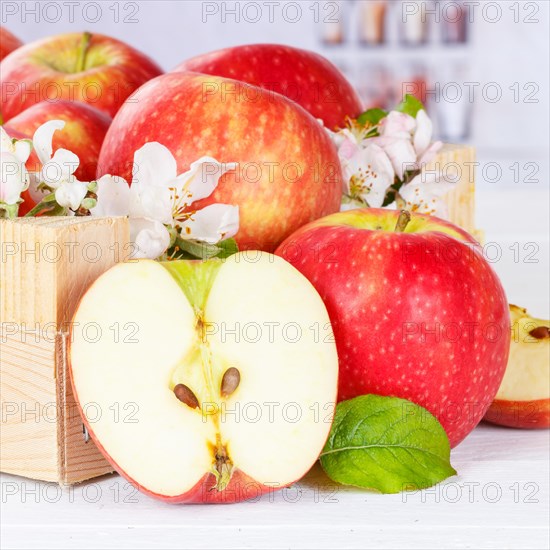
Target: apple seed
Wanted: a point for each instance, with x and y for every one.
(540, 333)
(185, 395)
(230, 381)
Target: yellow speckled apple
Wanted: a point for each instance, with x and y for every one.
(92, 68)
(217, 372)
(288, 170)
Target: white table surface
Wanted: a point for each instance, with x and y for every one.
(500, 498)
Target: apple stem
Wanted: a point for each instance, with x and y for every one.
(402, 221)
(82, 51)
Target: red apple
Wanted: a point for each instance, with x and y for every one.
(8, 43)
(288, 169)
(523, 399)
(306, 77)
(83, 134)
(217, 367)
(91, 68)
(417, 312)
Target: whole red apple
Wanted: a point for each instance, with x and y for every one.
(83, 134)
(91, 68)
(306, 77)
(288, 170)
(8, 43)
(417, 311)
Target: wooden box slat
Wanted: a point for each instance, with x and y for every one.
(46, 266)
(458, 161)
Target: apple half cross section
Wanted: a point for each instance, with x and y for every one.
(208, 381)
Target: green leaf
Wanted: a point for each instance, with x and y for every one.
(193, 250)
(196, 249)
(410, 106)
(386, 443)
(9, 210)
(47, 207)
(372, 116)
(227, 248)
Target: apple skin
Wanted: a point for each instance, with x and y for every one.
(83, 134)
(8, 42)
(385, 290)
(192, 115)
(519, 414)
(46, 70)
(306, 77)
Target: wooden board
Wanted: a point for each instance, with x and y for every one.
(46, 266)
(458, 163)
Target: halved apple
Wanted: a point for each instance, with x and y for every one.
(208, 381)
(523, 399)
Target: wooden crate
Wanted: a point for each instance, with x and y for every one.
(458, 163)
(46, 266)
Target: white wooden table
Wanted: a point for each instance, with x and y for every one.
(500, 499)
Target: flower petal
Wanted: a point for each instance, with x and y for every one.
(423, 194)
(368, 174)
(348, 148)
(42, 139)
(397, 125)
(150, 238)
(152, 202)
(60, 168)
(71, 194)
(423, 132)
(211, 224)
(200, 180)
(14, 178)
(6, 143)
(154, 165)
(23, 148)
(113, 197)
(400, 151)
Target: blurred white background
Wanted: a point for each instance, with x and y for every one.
(482, 67)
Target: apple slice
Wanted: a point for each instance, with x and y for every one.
(205, 381)
(523, 399)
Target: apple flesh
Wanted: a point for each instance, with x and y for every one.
(8, 43)
(306, 77)
(90, 68)
(417, 312)
(220, 368)
(288, 171)
(523, 399)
